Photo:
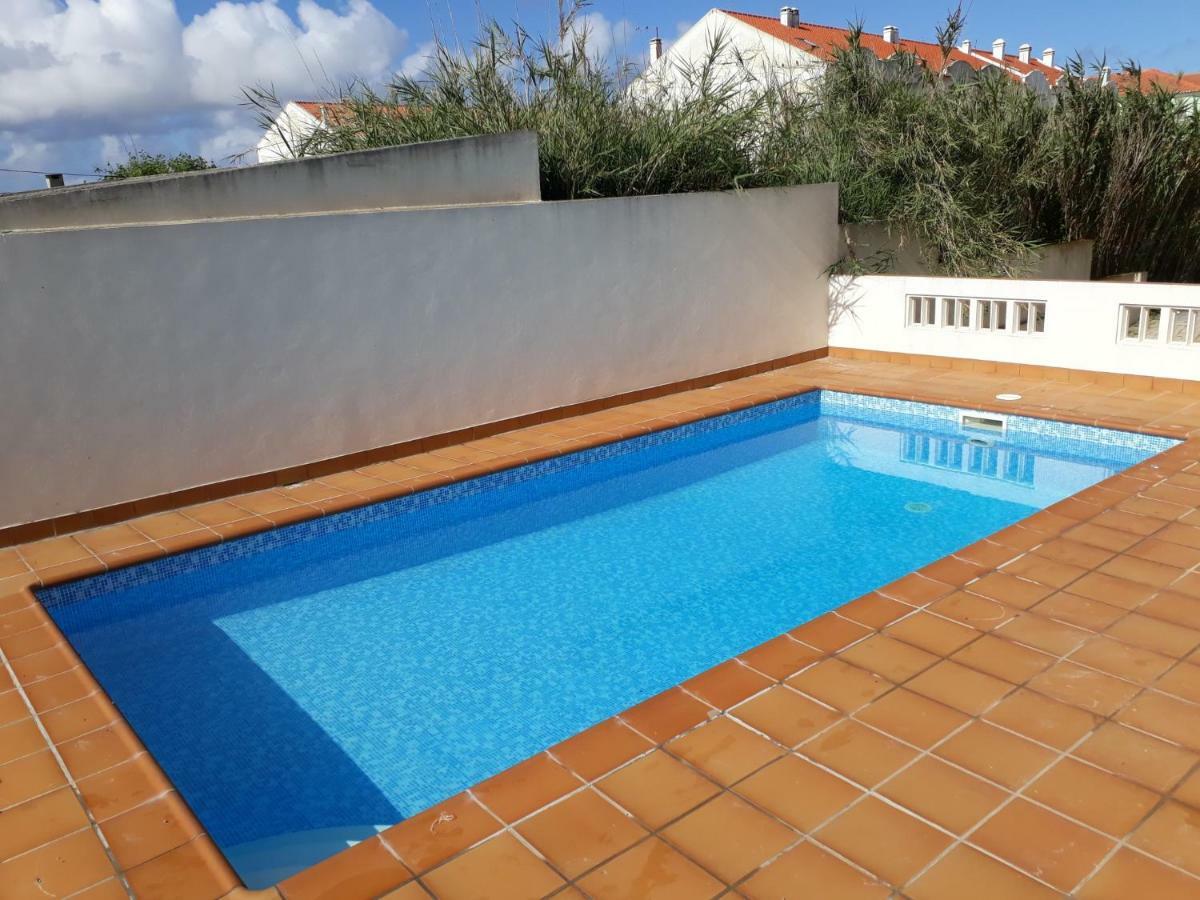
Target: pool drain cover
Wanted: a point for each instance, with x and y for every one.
(916, 506)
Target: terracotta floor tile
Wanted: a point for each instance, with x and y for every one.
(1042, 719)
(1181, 681)
(894, 660)
(146, 831)
(580, 832)
(1111, 590)
(1077, 686)
(1082, 612)
(724, 750)
(1093, 796)
(1136, 756)
(915, 589)
(858, 752)
(72, 720)
(806, 872)
(1123, 660)
(59, 690)
(121, 788)
(932, 633)
(195, 871)
(1187, 535)
(1130, 874)
(19, 739)
(829, 632)
(55, 551)
(38, 821)
(729, 837)
(1154, 634)
(839, 684)
(727, 684)
(985, 553)
(800, 793)
(28, 777)
(785, 715)
(875, 610)
(1142, 571)
(667, 714)
(1104, 538)
(114, 537)
(219, 512)
(164, 525)
(1166, 553)
(1075, 553)
(942, 794)
(26, 643)
(911, 717)
(658, 788)
(99, 750)
(1010, 590)
(501, 869)
(1052, 572)
(996, 754)
(57, 869)
(109, 889)
(430, 837)
(600, 749)
(980, 613)
(1043, 633)
(22, 620)
(527, 786)
(366, 869)
(890, 844)
(1170, 606)
(1003, 659)
(780, 657)
(1042, 843)
(965, 872)
(955, 685)
(653, 870)
(1188, 790)
(1166, 717)
(12, 707)
(1172, 834)
(414, 891)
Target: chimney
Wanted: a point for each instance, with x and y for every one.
(1048, 57)
(789, 16)
(1024, 52)
(1105, 72)
(54, 180)
(655, 48)
(965, 46)
(998, 48)
(891, 34)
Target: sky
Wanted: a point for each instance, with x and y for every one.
(82, 82)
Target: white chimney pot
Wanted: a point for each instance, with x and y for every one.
(1024, 52)
(656, 50)
(965, 46)
(891, 34)
(1048, 56)
(789, 16)
(998, 48)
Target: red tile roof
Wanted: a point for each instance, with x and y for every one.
(823, 41)
(1171, 82)
(336, 112)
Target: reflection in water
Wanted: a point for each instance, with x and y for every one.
(960, 455)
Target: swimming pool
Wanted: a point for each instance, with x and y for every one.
(303, 686)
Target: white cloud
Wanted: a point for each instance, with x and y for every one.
(604, 39)
(82, 80)
(416, 62)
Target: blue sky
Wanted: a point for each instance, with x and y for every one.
(84, 81)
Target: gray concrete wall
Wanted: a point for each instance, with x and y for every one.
(499, 168)
(869, 241)
(140, 360)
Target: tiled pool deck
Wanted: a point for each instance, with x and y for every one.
(1020, 719)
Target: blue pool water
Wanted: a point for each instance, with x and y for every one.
(334, 676)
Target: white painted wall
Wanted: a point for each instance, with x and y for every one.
(287, 134)
(143, 359)
(1082, 323)
(749, 59)
(497, 168)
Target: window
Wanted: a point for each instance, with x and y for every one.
(1178, 327)
(992, 315)
(1185, 327)
(922, 310)
(956, 313)
(1029, 317)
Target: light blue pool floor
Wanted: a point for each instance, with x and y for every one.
(361, 676)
